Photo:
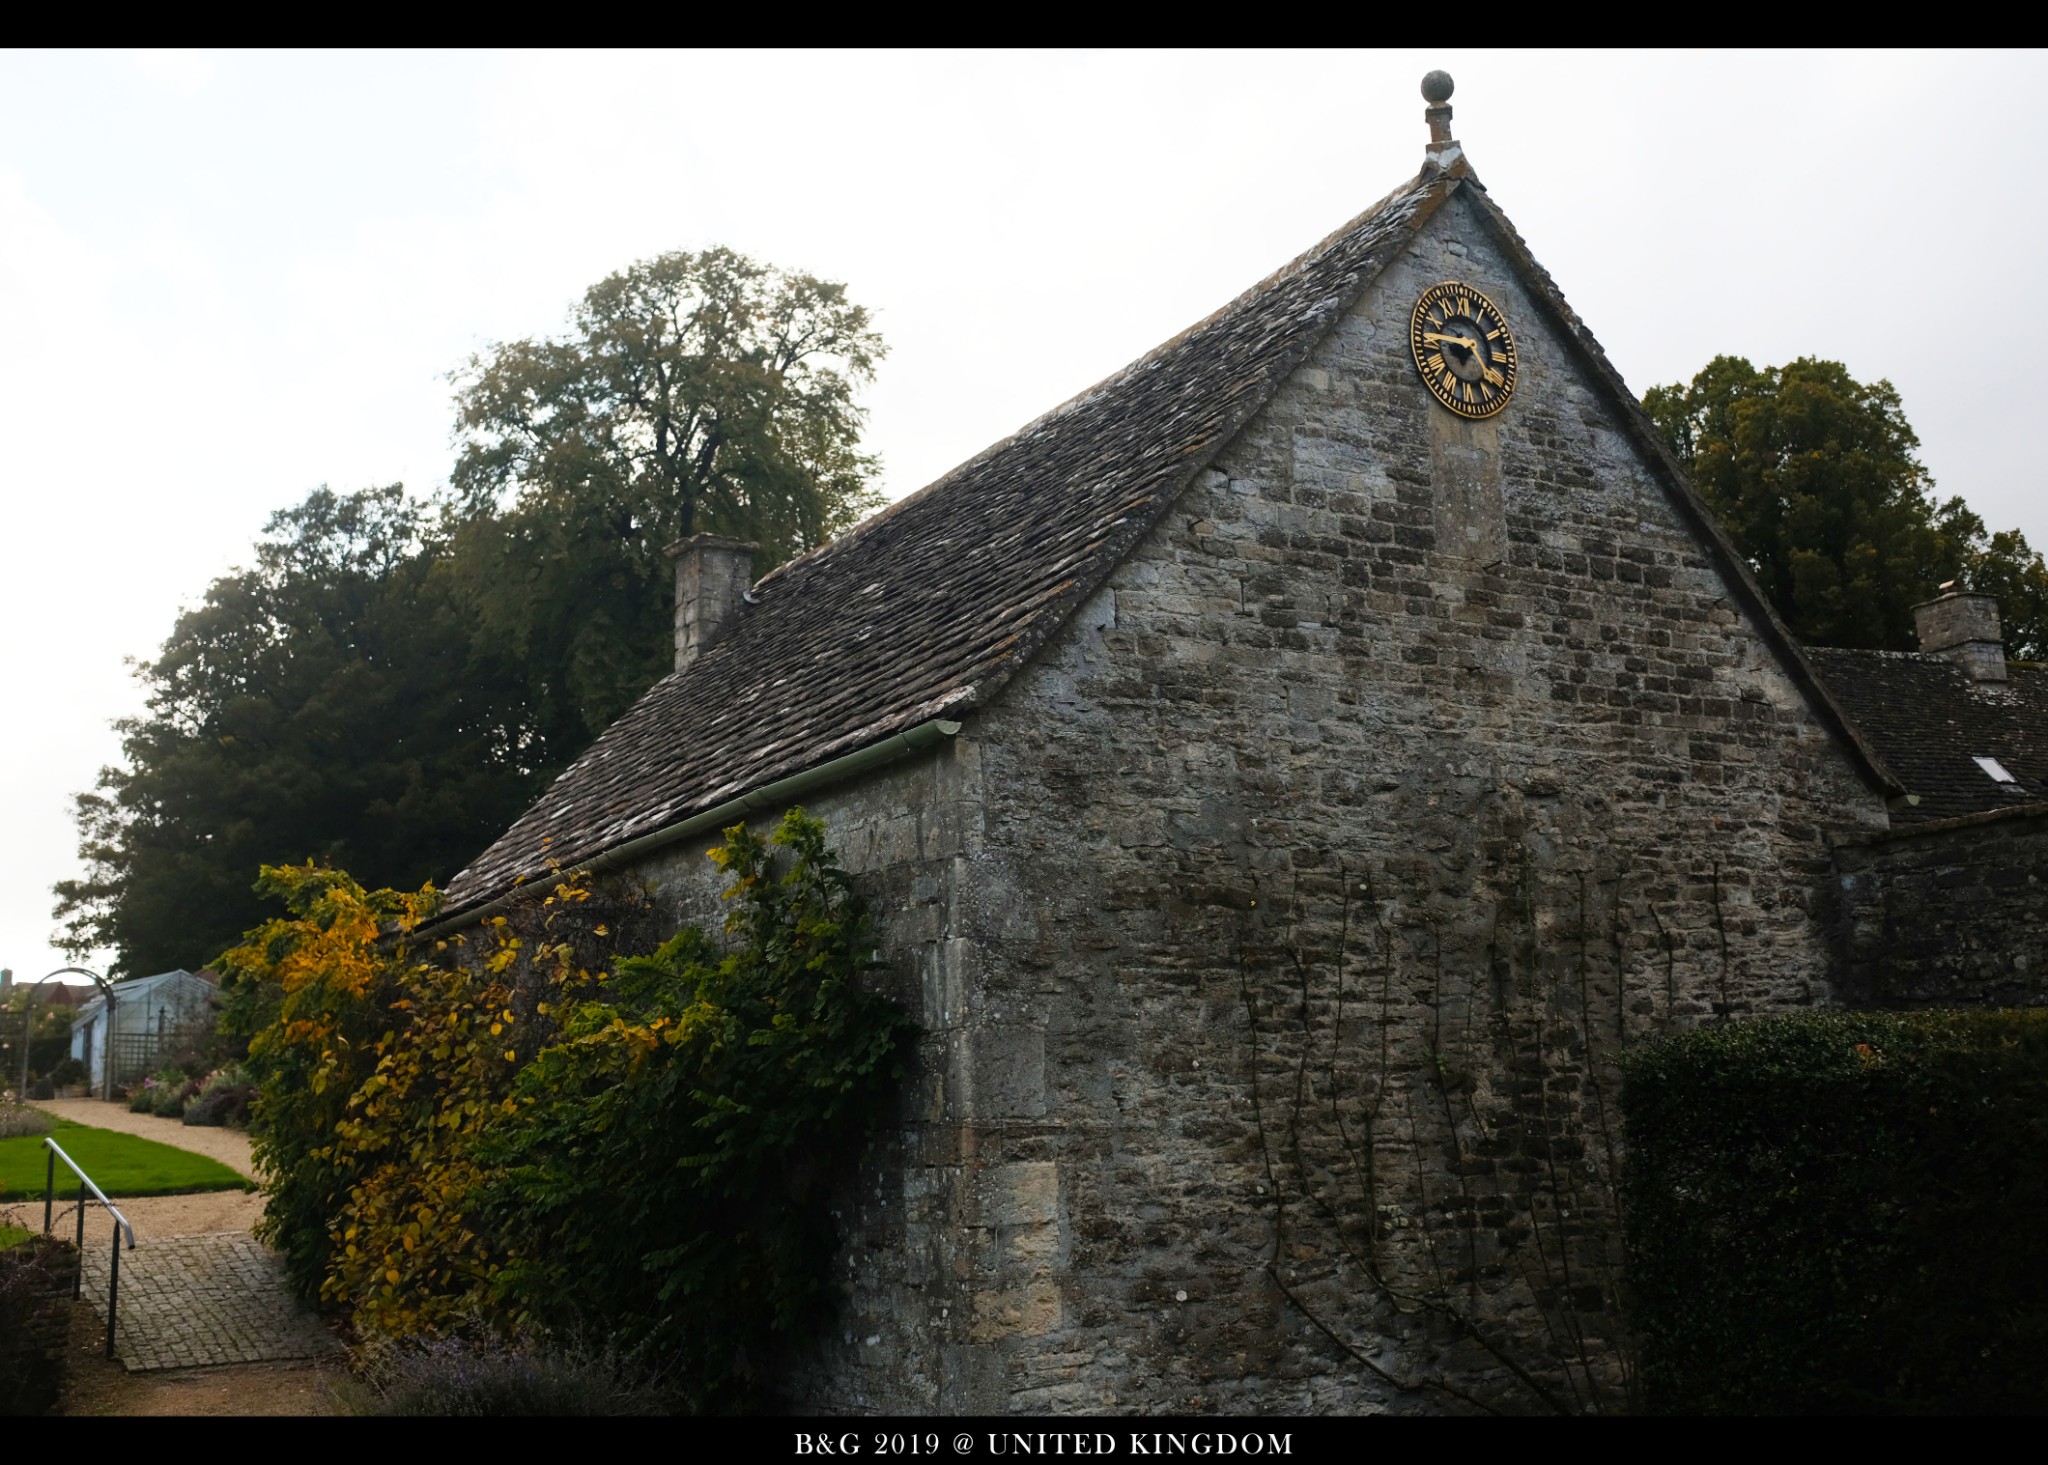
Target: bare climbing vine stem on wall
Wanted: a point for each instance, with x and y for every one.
(1523, 1118)
(1403, 1301)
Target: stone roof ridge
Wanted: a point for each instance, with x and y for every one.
(2019, 674)
(931, 606)
(1881, 651)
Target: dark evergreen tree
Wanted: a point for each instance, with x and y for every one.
(329, 703)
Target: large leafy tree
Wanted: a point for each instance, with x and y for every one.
(693, 393)
(329, 702)
(1816, 477)
(390, 684)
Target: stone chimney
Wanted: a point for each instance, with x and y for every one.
(712, 576)
(1964, 627)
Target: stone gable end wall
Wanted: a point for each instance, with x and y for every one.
(1411, 769)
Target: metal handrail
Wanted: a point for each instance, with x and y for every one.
(121, 1224)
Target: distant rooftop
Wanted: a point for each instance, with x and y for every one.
(1960, 746)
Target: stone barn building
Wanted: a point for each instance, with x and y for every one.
(1281, 795)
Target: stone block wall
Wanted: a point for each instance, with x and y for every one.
(1952, 913)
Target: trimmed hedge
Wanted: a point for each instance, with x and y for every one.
(1842, 1212)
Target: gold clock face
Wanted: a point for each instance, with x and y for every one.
(1463, 349)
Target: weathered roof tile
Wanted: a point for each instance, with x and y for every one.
(1931, 723)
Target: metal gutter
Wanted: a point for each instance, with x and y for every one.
(769, 796)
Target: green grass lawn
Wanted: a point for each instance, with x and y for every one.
(119, 1164)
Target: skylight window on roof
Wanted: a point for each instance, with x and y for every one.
(1995, 770)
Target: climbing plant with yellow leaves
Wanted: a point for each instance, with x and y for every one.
(538, 1130)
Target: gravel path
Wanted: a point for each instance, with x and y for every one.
(181, 1215)
(229, 1146)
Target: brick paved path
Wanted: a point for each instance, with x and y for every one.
(190, 1301)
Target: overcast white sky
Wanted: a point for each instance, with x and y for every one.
(226, 279)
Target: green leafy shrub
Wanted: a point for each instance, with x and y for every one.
(47, 1024)
(170, 1091)
(223, 1098)
(155, 1092)
(308, 991)
(1841, 1212)
(723, 1080)
(70, 1071)
(35, 1300)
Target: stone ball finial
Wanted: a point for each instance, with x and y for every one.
(1437, 87)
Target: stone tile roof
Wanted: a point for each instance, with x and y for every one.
(1931, 723)
(932, 605)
